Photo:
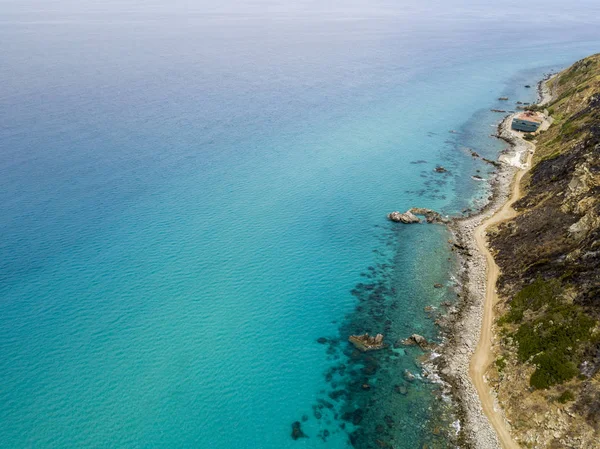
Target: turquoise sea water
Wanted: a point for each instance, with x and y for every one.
(193, 194)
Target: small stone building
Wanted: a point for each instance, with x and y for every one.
(527, 121)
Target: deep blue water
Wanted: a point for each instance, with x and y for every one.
(192, 194)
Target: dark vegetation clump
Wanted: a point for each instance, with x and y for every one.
(529, 136)
(551, 333)
(566, 396)
(500, 364)
(532, 297)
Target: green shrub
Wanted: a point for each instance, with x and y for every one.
(568, 129)
(500, 364)
(553, 334)
(551, 156)
(533, 297)
(561, 328)
(565, 94)
(552, 368)
(566, 396)
(565, 78)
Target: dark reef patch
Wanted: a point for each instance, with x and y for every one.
(377, 408)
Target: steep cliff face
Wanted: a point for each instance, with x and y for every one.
(549, 255)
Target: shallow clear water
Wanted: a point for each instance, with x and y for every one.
(193, 194)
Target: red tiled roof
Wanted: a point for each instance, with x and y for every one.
(530, 117)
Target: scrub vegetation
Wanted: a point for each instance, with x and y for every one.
(549, 257)
(549, 332)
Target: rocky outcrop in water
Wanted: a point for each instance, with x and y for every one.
(416, 339)
(408, 376)
(494, 163)
(365, 342)
(410, 216)
(431, 216)
(406, 217)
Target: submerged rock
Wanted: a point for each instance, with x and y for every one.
(297, 431)
(370, 369)
(357, 416)
(440, 169)
(389, 421)
(337, 394)
(402, 389)
(365, 342)
(325, 403)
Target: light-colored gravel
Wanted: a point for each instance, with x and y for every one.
(466, 322)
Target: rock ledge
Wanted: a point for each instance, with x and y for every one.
(365, 342)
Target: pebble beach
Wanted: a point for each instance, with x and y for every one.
(466, 321)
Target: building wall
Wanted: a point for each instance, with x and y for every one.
(524, 125)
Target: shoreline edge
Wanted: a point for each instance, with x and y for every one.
(465, 355)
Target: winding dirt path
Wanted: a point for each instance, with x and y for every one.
(482, 357)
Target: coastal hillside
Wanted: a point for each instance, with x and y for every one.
(547, 369)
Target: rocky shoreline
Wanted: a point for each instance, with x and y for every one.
(464, 321)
